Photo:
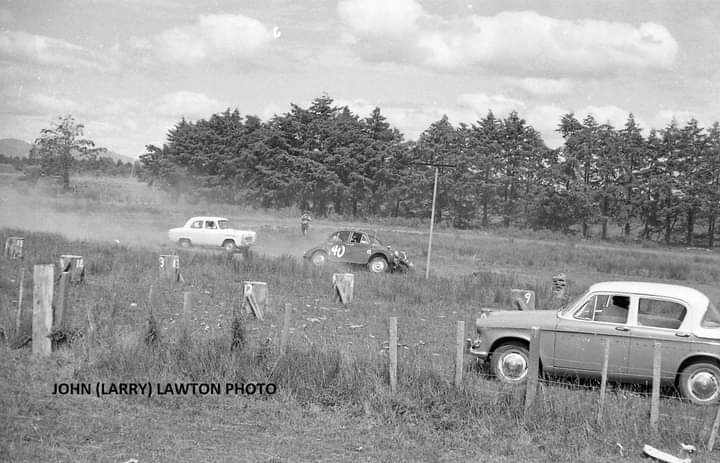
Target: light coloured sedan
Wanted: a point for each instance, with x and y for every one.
(632, 316)
(212, 232)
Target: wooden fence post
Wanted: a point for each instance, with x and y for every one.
(187, 313)
(285, 329)
(42, 308)
(603, 380)
(523, 299)
(533, 369)
(714, 431)
(459, 351)
(61, 304)
(392, 352)
(343, 285)
(18, 314)
(655, 401)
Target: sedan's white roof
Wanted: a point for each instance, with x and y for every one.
(206, 218)
(684, 293)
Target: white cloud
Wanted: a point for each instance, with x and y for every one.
(50, 104)
(22, 47)
(664, 117)
(521, 42)
(542, 87)
(190, 105)
(481, 103)
(214, 37)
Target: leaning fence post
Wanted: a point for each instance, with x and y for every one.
(392, 352)
(285, 329)
(603, 380)
(42, 308)
(60, 315)
(714, 431)
(655, 401)
(533, 369)
(18, 314)
(459, 351)
(187, 313)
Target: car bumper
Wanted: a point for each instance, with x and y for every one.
(476, 349)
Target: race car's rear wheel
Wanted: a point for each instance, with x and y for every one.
(184, 243)
(700, 383)
(319, 258)
(378, 265)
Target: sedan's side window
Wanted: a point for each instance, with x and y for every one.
(196, 224)
(210, 224)
(605, 308)
(660, 314)
(364, 239)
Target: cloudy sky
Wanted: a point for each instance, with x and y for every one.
(130, 69)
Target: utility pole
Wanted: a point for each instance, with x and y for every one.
(437, 167)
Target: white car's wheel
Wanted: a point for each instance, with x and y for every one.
(510, 363)
(229, 245)
(318, 258)
(700, 383)
(378, 265)
(184, 243)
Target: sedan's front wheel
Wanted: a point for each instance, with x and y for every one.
(510, 363)
(700, 383)
(378, 265)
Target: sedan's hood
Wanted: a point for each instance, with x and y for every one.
(519, 318)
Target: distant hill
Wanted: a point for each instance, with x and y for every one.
(13, 147)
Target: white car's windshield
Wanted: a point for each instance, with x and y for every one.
(567, 307)
(223, 224)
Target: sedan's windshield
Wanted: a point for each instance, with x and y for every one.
(569, 306)
(224, 224)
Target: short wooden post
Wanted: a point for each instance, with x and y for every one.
(21, 291)
(187, 313)
(459, 351)
(14, 247)
(75, 265)
(42, 308)
(392, 352)
(343, 284)
(523, 299)
(255, 298)
(714, 431)
(170, 267)
(603, 379)
(285, 329)
(61, 302)
(655, 401)
(533, 369)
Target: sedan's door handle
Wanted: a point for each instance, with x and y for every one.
(622, 328)
(682, 334)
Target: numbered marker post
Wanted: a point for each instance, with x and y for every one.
(14, 247)
(523, 299)
(75, 266)
(343, 284)
(170, 267)
(255, 298)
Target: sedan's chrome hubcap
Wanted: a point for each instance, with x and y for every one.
(704, 385)
(318, 259)
(514, 365)
(378, 266)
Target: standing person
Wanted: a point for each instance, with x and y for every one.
(305, 220)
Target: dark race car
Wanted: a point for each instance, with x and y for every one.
(354, 247)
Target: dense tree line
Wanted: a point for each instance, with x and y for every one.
(326, 159)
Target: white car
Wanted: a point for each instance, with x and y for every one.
(212, 232)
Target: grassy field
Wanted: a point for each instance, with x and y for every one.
(333, 401)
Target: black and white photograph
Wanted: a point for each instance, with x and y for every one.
(360, 230)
